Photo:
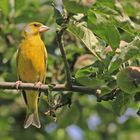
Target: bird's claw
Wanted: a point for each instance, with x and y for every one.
(18, 83)
(38, 85)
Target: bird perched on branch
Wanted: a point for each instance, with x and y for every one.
(31, 68)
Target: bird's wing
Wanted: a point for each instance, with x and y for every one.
(45, 59)
(45, 55)
(17, 60)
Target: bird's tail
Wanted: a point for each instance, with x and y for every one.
(32, 117)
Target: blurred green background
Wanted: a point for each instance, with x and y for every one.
(86, 119)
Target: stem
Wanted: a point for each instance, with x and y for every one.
(59, 38)
(61, 87)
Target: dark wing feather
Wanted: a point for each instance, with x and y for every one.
(23, 92)
(24, 96)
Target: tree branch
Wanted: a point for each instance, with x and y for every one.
(59, 38)
(57, 87)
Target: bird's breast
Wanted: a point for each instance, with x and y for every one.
(31, 61)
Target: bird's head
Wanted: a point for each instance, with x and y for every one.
(34, 28)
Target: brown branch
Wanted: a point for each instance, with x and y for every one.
(61, 87)
(53, 109)
(59, 38)
(57, 87)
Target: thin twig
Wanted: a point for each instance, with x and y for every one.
(44, 88)
(59, 38)
(109, 96)
(68, 102)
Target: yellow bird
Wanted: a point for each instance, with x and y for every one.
(31, 67)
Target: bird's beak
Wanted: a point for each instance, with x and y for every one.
(43, 28)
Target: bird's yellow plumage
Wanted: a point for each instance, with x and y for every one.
(31, 67)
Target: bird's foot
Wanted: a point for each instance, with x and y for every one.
(38, 84)
(18, 83)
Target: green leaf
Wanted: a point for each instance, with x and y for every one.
(68, 113)
(132, 50)
(88, 76)
(7, 95)
(102, 9)
(74, 7)
(5, 124)
(58, 16)
(29, 13)
(108, 3)
(86, 71)
(121, 103)
(127, 27)
(2, 45)
(112, 35)
(104, 29)
(130, 8)
(135, 42)
(114, 63)
(19, 4)
(128, 80)
(86, 36)
(4, 6)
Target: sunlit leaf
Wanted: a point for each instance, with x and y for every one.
(74, 7)
(130, 51)
(102, 9)
(108, 3)
(130, 8)
(104, 29)
(86, 36)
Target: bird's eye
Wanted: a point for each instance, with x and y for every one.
(36, 25)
